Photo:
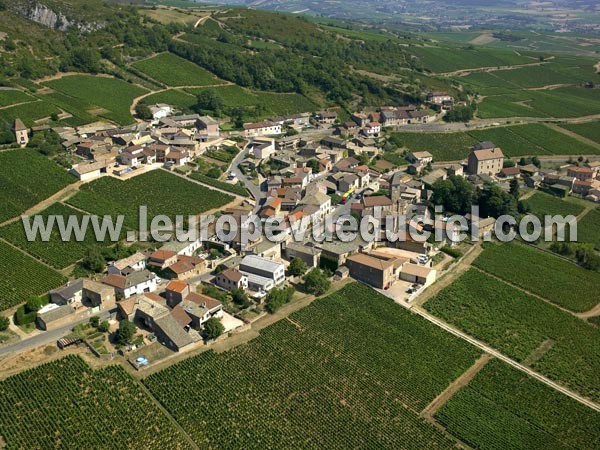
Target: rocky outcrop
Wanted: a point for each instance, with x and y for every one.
(38, 12)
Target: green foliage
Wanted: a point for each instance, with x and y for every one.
(23, 277)
(174, 71)
(61, 400)
(588, 228)
(297, 267)
(95, 321)
(4, 323)
(316, 282)
(555, 279)
(125, 332)
(32, 178)
(517, 323)
(233, 188)
(240, 298)
(216, 293)
(460, 114)
(504, 408)
(451, 251)
(160, 191)
(455, 194)
(103, 326)
(355, 335)
(279, 297)
(213, 328)
(541, 204)
(589, 130)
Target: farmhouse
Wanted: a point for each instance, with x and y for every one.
(132, 263)
(418, 274)
(209, 126)
(200, 308)
(376, 272)
(51, 315)
(485, 159)
(90, 171)
(439, 98)
(133, 283)
(255, 266)
(231, 279)
(83, 292)
(263, 148)
(160, 111)
(261, 129)
(326, 117)
(161, 259)
(422, 158)
(310, 255)
(580, 173)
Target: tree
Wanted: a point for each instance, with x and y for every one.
(455, 194)
(213, 328)
(94, 261)
(125, 332)
(240, 298)
(33, 304)
(316, 283)
(208, 100)
(314, 165)
(297, 267)
(95, 321)
(215, 172)
(143, 111)
(104, 326)
(278, 297)
(494, 202)
(515, 188)
(4, 322)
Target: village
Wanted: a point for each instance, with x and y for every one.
(306, 166)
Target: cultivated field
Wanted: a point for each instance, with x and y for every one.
(175, 97)
(160, 191)
(553, 342)
(175, 71)
(542, 204)
(516, 140)
(233, 188)
(23, 277)
(503, 408)
(352, 370)
(66, 404)
(26, 179)
(55, 252)
(89, 93)
(542, 273)
(590, 130)
(29, 113)
(588, 228)
(12, 97)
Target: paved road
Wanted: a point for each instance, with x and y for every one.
(46, 337)
(254, 190)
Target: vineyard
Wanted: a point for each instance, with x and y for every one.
(517, 324)
(66, 404)
(56, 252)
(108, 97)
(353, 370)
(23, 277)
(588, 228)
(233, 188)
(541, 204)
(590, 130)
(175, 71)
(160, 191)
(31, 179)
(503, 408)
(552, 278)
(12, 97)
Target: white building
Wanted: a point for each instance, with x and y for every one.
(263, 148)
(255, 266)
(133, 263)
(261, 129)
(160, 111)
(134, 283)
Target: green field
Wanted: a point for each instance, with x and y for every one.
(260, 105)
(174, 97)
(175, 71)
(161, 191)
(564, 102)
(233, 188)
(517, 323)
(515, 140)
(588, 228)
(112, 97)
(590, 130)
(31, 179)
(55, 252)
(13, 96)
(542, 204)
(503, 408)
(23, 277)
(352, 370)
(554, 279)
(67, 404)
(29, 113)
(440, 59)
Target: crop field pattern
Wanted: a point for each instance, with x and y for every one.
(13, 96)
(175, 71)
(66, 404)
(541, 204)
(162, 192)
(86, 93)
(588, 228)
(56, 252)
(502, 408)
(31, 179)
(353, 370)
(552, 278)
(22, 277)
(517, 324)
(590, 130)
